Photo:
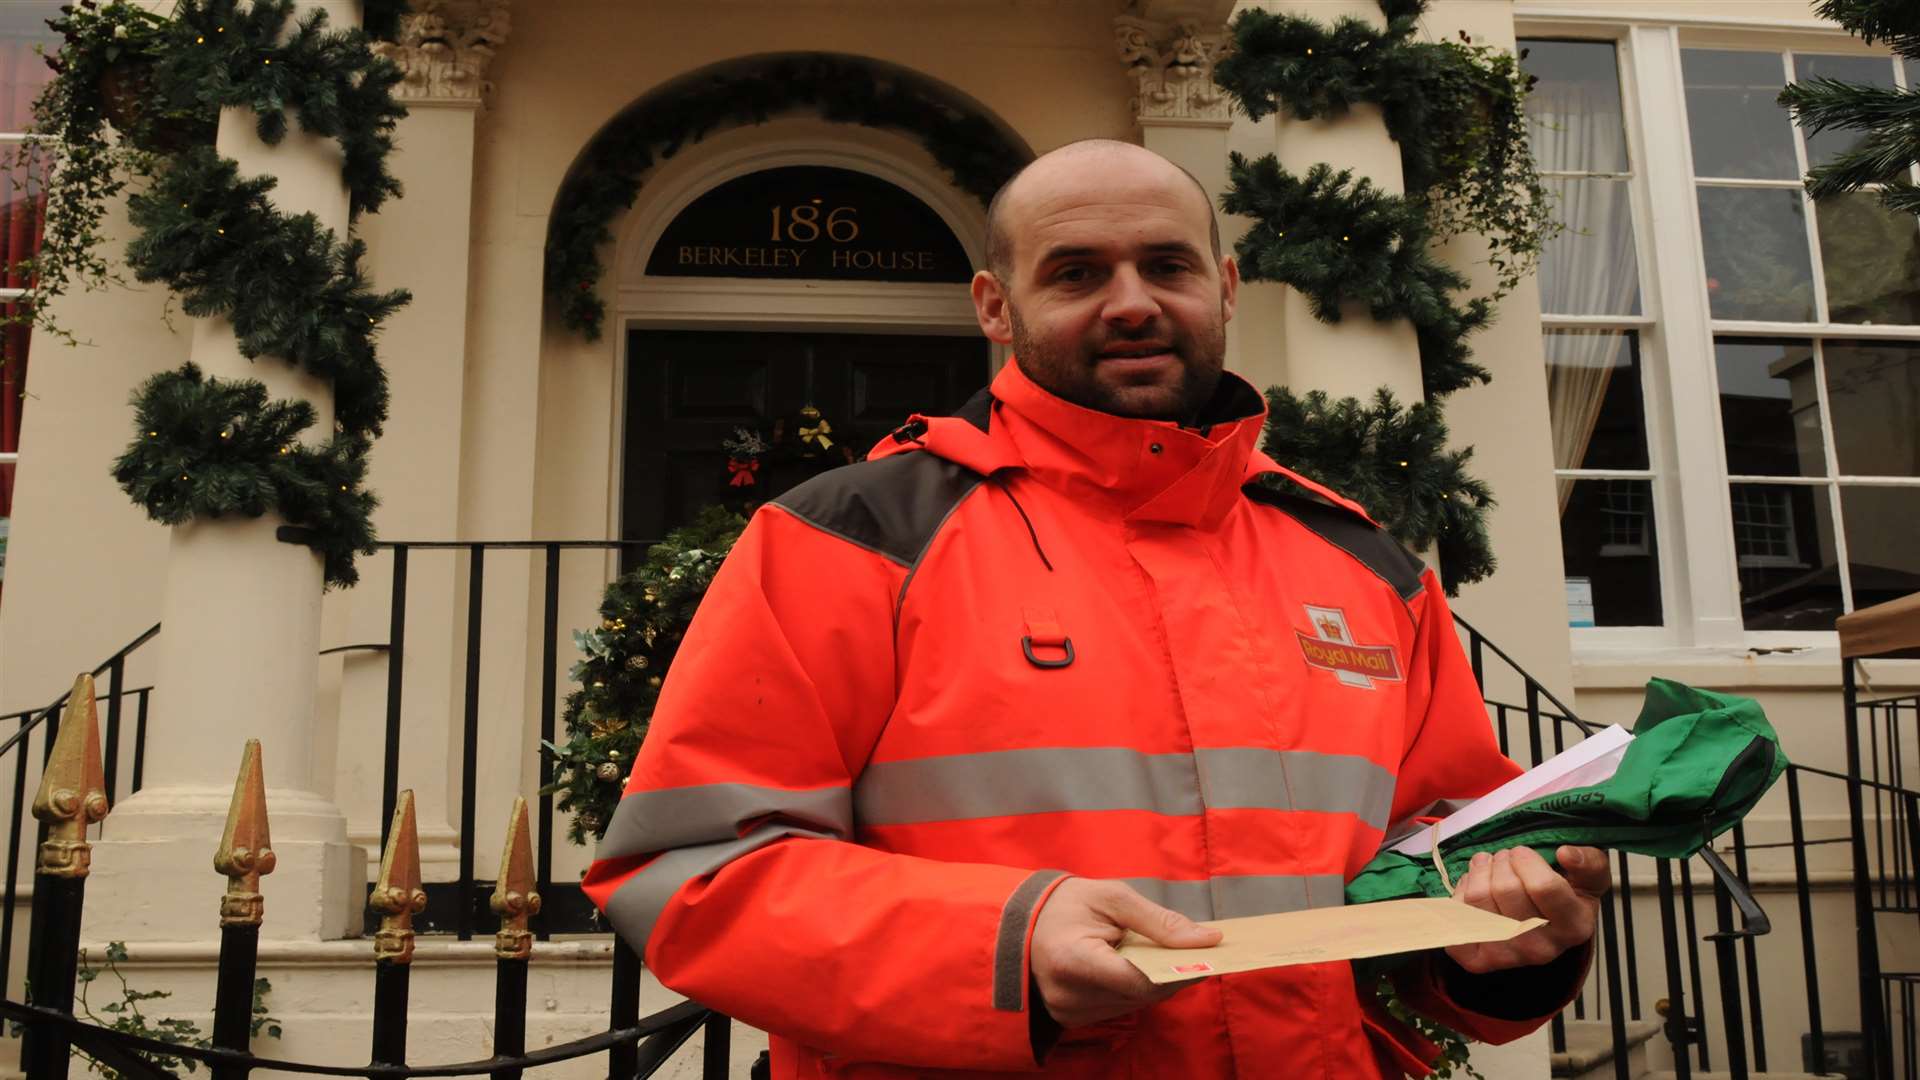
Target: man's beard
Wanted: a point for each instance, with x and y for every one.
(1068, 374)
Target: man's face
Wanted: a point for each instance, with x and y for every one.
(1112, 298)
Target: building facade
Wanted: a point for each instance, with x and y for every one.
(1703, 427)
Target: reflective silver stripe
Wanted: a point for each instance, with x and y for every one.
(1239, 895)
(1296, 780)
(637, 904)
(1005, 783)
(648, 821)
(1010, 944)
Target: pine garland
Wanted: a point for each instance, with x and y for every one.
(212, 447)
(608, 179)
(291, 288)
(1455, 110)
(643, 618)
(1394, 461)
(1341, 241)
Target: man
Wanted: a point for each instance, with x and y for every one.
(951, 721)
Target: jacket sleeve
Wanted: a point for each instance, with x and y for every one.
(732, 855)
(1452, 755)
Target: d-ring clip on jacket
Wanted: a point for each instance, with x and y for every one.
(1044, 633)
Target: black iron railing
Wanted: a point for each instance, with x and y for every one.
(1883, 880)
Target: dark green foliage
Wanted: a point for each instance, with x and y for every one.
(330, 81)
(643, 618)
(1456, 111)
(607, 179)
(291, 289)
(1341, 241)
(1394, 461)
(1891, 120)
(209, 447)
(1894, 22)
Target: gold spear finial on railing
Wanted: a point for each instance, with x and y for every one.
(73, 789)
(397, 895)
(513, 897)
(246, 851)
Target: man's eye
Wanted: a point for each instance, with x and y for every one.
(1170, 267)
(1072, 274)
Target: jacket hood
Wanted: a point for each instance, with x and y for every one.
(1148, 470)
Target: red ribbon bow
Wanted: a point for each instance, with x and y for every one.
(742, 471)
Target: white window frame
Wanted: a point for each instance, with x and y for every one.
(1692, 500)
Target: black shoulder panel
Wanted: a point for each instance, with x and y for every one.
(891, 506)
(1373, 546)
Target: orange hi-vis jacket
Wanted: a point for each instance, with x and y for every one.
(1032, 640)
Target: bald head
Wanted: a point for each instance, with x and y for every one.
(1061, 166)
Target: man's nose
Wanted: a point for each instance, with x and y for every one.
(1129, 302)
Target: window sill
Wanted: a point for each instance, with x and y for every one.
(1757, 666)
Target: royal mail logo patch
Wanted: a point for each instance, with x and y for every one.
(1332, 648)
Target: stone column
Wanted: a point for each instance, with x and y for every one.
(426, 247)
(240, 630)
(1356, 355)
(1169, 51)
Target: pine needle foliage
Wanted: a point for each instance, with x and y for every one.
(1342, 242)
(1889, 118)
(209, 448)
(1456, 111)
(1393, 460)
(291, 289)
(329, 81)
(643, 618)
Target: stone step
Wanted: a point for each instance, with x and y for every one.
(1589, 1052)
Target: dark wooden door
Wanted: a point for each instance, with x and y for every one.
(688, 390)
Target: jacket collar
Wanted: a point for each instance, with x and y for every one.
(1109, 460)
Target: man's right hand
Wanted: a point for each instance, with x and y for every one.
(1081, 978)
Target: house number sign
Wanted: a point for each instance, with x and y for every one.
(810, 221)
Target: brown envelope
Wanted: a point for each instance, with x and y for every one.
(1322, 934)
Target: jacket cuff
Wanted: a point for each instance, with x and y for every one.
(1014, 987)
(1499, 1006)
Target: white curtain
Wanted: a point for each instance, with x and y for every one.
(1590, 268)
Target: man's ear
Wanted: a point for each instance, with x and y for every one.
(1229, 287)
(990, 307)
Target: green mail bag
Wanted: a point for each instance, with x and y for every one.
(1697, 763)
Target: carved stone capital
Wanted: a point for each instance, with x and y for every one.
(443, 49)
(1172, 67)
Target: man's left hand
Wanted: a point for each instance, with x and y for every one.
(1519, 884)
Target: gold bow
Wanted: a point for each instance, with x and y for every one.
(817, 434)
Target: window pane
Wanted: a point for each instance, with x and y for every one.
(1871, 258)
(23, 24)
(1593, 399)
(1756, 252)
(1591, 269)
(1870, 70)
(1737, 128)
(1607, 533)
(1883, 562)
(1873, 395)
(1769, 407)
(1783, 539)
(1573, 112)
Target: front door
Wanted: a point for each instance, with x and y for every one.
(691, 391)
